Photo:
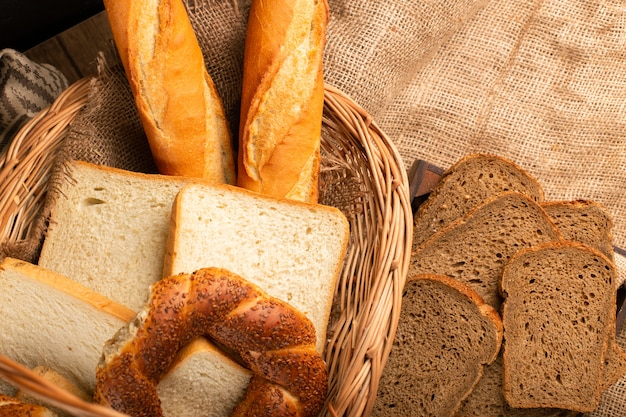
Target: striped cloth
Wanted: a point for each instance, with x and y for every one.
(25, 89)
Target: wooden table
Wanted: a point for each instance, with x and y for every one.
(74, 52)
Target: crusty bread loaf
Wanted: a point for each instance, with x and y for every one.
(52, 321)
(108, 230)
(446, 334)
(558, 315)
(13, 407)
(583, 221)
(291, 249)
(469, 182)
(282, 98)
(202, 383)
(474, 248)
(178, 105)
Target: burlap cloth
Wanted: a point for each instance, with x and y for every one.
(541, 82)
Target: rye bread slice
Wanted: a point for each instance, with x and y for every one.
(475, 248)
(487, 399)
(558, 315)
(590, 223)
(467, 183)
(445, 336)
(583, 221)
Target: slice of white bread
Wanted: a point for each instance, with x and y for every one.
(202, 383)
(108, 230)
(50, 320)
(446, 334)
(559, 316)
(470, 181)
(474, 248)
(293, 250)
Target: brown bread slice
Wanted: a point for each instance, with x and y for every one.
(474, 249)
(614, 364)
(469, 182)
(558, 315)
(583, 221)
(590, 223)
(445, 336)
(487, 399)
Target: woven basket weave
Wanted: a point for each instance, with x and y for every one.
(362, 175)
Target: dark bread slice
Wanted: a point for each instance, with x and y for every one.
(487, 399)
(445, 335)
(583, 221)
(467, 183)
(558, 315)
(474, 248)
(590, 223)
(614, 364)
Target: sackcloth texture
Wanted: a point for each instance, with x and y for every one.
(540, 82)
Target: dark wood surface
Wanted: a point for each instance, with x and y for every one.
(74, 51)
(26, 23)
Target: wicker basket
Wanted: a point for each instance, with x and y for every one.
(358, 159)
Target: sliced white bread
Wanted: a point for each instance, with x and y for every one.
(108, 230)
(470, 181)
(293, 250)
(446, 334)
(202, 383)
(559, 316)
(474, 248)
(50, 320)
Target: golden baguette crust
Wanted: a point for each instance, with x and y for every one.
(282, 98)
(178, 105)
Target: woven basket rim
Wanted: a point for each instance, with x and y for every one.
(25, 165)
(368, 329)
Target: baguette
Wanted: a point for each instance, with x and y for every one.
(179, 107)
(282, 98)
